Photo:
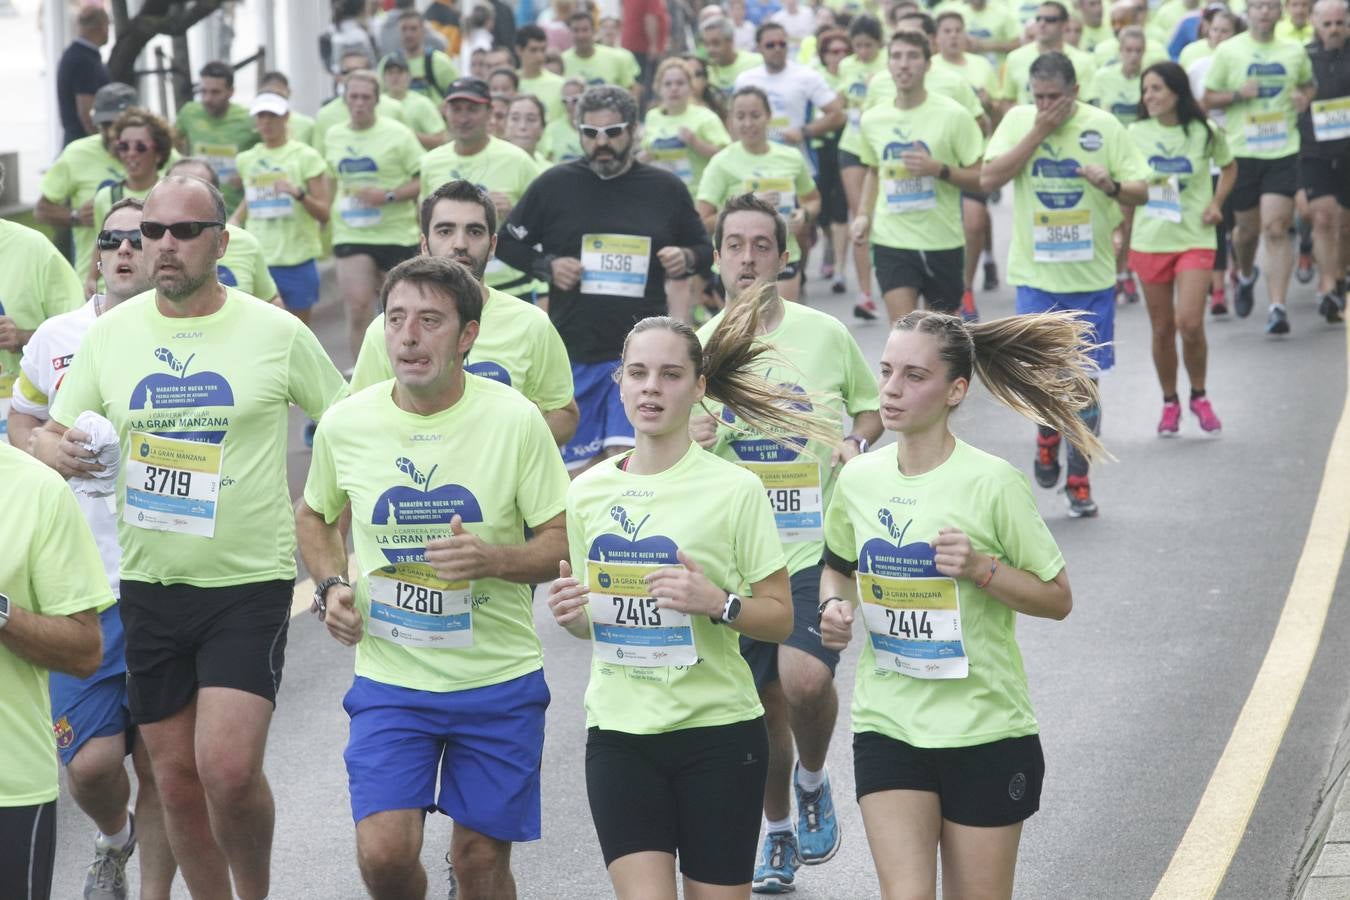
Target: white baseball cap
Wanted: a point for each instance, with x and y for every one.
(269, 102)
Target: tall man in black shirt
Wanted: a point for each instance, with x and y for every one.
(81, 73)
(610, 230)
(1324, 169)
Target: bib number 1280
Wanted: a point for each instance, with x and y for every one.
(173, 482)
(419, 598)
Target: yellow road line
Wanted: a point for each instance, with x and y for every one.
(1206, 850)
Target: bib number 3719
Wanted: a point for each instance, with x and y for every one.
(172, 484)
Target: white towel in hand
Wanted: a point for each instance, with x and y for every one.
(103, 443)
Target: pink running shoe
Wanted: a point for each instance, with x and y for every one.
(1170, 423)
(1201, 409)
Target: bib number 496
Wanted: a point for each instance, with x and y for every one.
(785, 500)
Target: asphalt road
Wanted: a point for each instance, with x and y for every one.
(1177, 588)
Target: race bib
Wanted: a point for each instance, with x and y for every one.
(1331, 119)
(221, 157)
(172, 484)
(265, 201)
(1062, 236)
(356, 214)
(615, 264)
(7, 382)
(906, 192)
(777, 125)
(855, 116)
(914, 625)
(409, 605)
(676, 161)
(1266, 131)
(628, 628)
(794, 493)
(1164, 200)
(765, 188)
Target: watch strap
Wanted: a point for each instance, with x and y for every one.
(320, 604)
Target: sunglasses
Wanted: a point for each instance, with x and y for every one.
(139, 147)
(112, 240)
(774, 45)
(181, 231)
(1050, 20)
(591, 132)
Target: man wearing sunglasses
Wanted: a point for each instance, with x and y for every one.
(605, 232)
(197, 379)
(1051, 18)
(794, 90)
(90, 716)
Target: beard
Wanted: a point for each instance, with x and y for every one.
(607, 163)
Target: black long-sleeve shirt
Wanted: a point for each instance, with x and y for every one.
(569, 201)
(1331, 71)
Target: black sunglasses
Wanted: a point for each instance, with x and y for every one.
(139, 147)
(774, 45)
(181, 231)
(112, 239)
(1050, 20)
(591, 132)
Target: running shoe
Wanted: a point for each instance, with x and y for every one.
(1278, 321)
(1126, 288)
(1201, 409)
(1304, 271)
(778, 864)
(1079, 494)
(453, 893)
(968, 311)
(1170, 423)
(1331, 308)
(1246, 294)
(991, 276)
(1047, 461)
(818, 834)
(1218, 303)
(839, 287)
(826, 271)
(865, 310)
(107, 875)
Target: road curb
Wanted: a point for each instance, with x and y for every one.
(1323, 871)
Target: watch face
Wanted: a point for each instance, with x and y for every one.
(733, 608)
(4, 606)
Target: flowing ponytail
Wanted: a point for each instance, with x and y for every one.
(1036, 364)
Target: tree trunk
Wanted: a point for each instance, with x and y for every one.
(156, 17)
(182, 71)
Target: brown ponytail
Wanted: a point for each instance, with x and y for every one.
(1036, 364)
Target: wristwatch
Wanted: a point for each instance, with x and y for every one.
(945, 172)
(390, 197)
(4, 611)
(730, 611)
(820, 610)
(74, 216)
(320, 605)
(861, 441)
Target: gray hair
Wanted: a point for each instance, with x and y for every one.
(1053, 65)
(607, 96)
(1329, 6)
(193, 181)
(201, 162)
(1132, 31)
(722, 24)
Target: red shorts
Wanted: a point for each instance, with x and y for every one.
(1161, 268)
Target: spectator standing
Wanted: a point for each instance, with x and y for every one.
(80, 74)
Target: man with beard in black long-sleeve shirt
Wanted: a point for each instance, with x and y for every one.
(611, 231)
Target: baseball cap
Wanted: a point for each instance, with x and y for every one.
(111, 100)
(268, 102)
(397, 59)
(475, 89)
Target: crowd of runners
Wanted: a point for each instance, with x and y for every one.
(572, 281)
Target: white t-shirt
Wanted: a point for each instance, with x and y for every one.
(745, 36)
(799, 25)
(46, 359)
(791, 93)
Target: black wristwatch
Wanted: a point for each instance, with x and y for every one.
(945, 173)
(390, 197)
(4, 611)
(730, 610)
(1115, 189)
(301, 195)
(820, 610)
(320, 605)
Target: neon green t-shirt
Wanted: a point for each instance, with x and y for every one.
(1061, 224)
(50, 567)
(781, 170)
(548, 88)
(1286, 30)
(724, 77)
(560, 141)
(36, 283)
(83, 167)
(995, 22)
(1193, 52)
(975, 69)
(386, 156)
(943, 82)
(1163, 20)
(918, 212)
(661, 140)
(1263, 127)
(1179, 185)
(886, 521)
(854, 76)
(421, 115)
(716, 512)
(244, 267)
(289, 235)
(202, 408)
(444, 72)
(816, 353)
(1107, 53)
(607, 65)
(517, 345)
(1016, 84)
(1095, 37)
(300, 127)
(1112, 90)
(220, 140)
(488, 459)
(335, 112)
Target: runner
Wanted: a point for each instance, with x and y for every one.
(449, 670)
(423, 116)
(217, 129)
(196, 380)
(52, 590)
(795, 681)
(67, 188)
(300, 126)
(1050, 19)
(725, 61)
(1173, 240)
(605, 233)
(672, 544)
(1261, 83)
(90, 716)
(286, 204)
(516, 345)
(143, 142)
(377, 162)
(774, 172)
(561, 140)
(336, 112)
(532, 48)
(832, 48)
(595, 63)
(430, 70)
(792, 89)
(525, 127)
(1070, 164)
(1115, 88)
(947, 758)
(855, 72)
(920, 153)
(1324, 167)
(679, 136)
(495, 165)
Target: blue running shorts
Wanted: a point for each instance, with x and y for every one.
(1099, 305)
(603, 423)
(298, 285)
(84, 708)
